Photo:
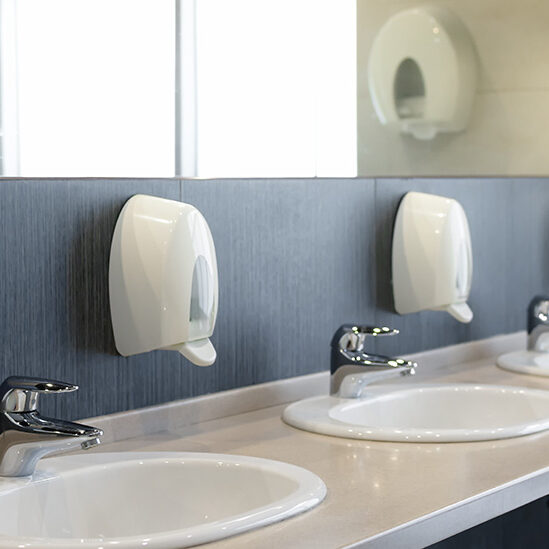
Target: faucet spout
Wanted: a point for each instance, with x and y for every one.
(352, 368)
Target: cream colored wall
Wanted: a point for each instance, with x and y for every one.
(508, 133)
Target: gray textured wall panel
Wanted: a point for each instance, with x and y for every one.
(54, 295)
(294, 263)
(510, 256)
(296, 259)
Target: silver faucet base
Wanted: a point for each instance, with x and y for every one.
(352, 368)
(538, 324)
(354, 383)
(26, 436)
(20, 460)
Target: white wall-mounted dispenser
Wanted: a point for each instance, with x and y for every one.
(163, 282)
(432, 258)
(422, 72)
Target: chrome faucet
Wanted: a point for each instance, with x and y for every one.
(352, 368)
(26, 436)
(538, 324)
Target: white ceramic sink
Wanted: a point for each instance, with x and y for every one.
(525, 362)
(153, 500)
(426, 413)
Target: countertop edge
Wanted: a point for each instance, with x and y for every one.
(456, 518)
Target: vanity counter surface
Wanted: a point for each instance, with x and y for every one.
(380, 494)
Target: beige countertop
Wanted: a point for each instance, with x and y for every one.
(380, 494)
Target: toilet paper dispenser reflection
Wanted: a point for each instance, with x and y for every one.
(422, 72)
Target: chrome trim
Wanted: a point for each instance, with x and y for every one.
(352, 368)
(538, 324)
(26, 436)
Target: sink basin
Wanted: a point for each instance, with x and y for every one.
(525, 362)
(426, 413)
(153, 500)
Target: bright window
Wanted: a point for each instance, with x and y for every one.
(268, 86)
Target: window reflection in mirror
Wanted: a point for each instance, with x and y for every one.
(228, 88)
(95, 85)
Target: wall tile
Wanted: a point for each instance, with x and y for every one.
(505, 135)
(296, 259)
(55, 321)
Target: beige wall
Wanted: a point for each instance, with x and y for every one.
(508, 133)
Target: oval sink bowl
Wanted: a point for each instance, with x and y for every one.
(153, 500)
(525, 362)
(426, 413)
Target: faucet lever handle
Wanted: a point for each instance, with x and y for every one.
(20, 394)
(351, 338)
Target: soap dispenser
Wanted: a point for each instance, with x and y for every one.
(431, 256)
(422, 72)
(163, 284)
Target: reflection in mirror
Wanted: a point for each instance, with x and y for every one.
(498, 127)
(197, 88)
(258, 88)
(90, 87)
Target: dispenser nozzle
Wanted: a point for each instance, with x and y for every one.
(461, 312)
(200, 352)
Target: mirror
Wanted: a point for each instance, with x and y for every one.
(256, 88)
